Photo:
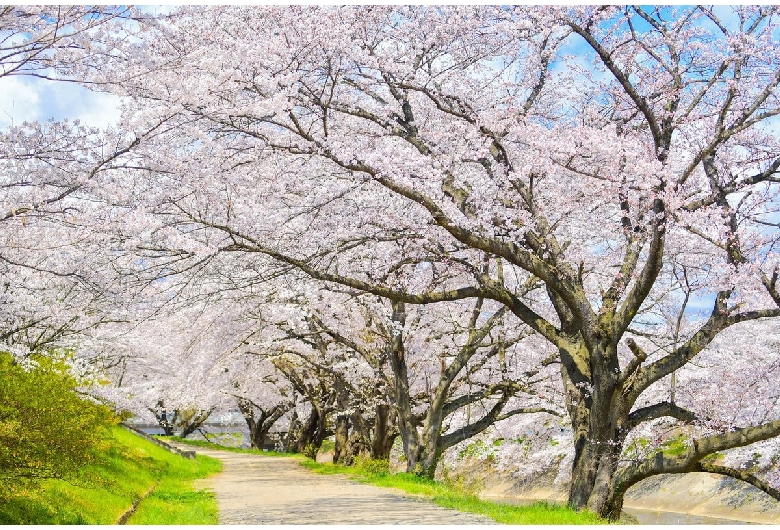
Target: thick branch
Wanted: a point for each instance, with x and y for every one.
(647, 276)
(639, 357)
(690, 460)
(740, 475)
(450, 439)
(733, 187)
(622, 78)
(718, 321)
(659, 410)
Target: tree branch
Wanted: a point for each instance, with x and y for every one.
(688, 461)
(739, 475)
(659, 410)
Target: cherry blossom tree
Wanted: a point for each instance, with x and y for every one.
(443, 363)
(179, 366)
(262, 395)
(345, 392)
(363, 362)
(50, 217)
(592, 153)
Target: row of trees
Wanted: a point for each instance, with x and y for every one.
(415, 223)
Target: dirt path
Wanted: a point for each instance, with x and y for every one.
(256, 489)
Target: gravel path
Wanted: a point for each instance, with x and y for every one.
(256, 489)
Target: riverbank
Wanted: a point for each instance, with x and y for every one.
(691, 498)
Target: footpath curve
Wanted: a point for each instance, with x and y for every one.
(256, 489)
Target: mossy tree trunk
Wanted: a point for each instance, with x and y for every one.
(385, 431)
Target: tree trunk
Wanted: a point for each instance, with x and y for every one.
(430, 449)
(584, 468)
(599, 417)
(602, 497)
(307, 432)
(421, 448)
(592, 483)
(289, 439)
(252, 423)
(407, 423)
(260, 421)
(191, 423)
(428, 461)
(410, 438)
(596, 462)
(161, 415)
(384, 432)
(256, 435)
(312, 434)
(359, 442)
(342, 437)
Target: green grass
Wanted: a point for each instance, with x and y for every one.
(212, 445)
(174, 501)
(128, 467)
(449, 497)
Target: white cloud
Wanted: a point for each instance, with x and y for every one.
(98, 109)
(29, 98)
(20, 101)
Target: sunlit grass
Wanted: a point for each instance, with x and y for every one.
(174, 501)
(128, 468)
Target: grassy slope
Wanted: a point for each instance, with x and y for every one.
(128, 468)
(441, 494)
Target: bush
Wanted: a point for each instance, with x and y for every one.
(371, 466)
(47, 430)
(310, 451)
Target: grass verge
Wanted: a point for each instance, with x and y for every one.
(449, 497)
(127, 468)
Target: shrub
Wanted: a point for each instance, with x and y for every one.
(371, 466)
(47, 430)
(310, 451)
